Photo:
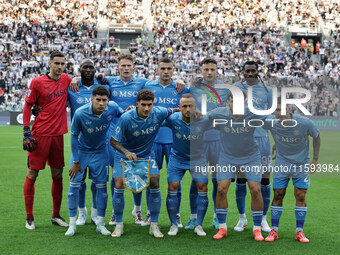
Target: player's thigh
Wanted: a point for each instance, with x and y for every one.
(175, 172)
(99, 166)
(252, 171)
(167, 149)
(117, 170)
(111, 152)
(200, 175)
(281, 174)
(56, 153)
(37, 159)
(301, 176)
(212, 151)
(158, 150)
(153, 167)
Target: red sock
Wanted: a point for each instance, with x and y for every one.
(57, 195)
(29, 196)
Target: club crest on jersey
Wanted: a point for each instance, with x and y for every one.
(155, 120)
(178, 135)
(227, 130)
(136, 133)
(109, 118)
(115, 93)
(296, 132)
(117, 129)
(90, 130)
(80, 100)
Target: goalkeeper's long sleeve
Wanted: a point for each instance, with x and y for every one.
(27, 114)
(75, 147)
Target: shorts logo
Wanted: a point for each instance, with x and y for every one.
(136, 133)
(117, 129)
(80, 100)
(90, 130)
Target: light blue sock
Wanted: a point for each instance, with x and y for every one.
(202, 206)
(112, 186)
(241, 192)
(179, 197)
(221, 215)
(214, 192)
(265, 191)
(171, 205)
(73, 199)
(257, 218)
(101, 198)
(94, 193)
(137, 198)
(276, 212)
(155, 204)
(118, 204)
(193, 197)
(148, 198)
(300, 215)
(82, 192)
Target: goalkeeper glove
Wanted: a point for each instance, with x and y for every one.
(29, 141)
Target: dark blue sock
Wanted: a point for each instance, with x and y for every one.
(193, 197)
(171, 205)
(257, 218)
(275, 212)
(241, 192)
(221, 215)
(118, 204)
(137, 198)
(179, 197)
(101, 198)
(265, 191)
(300, 215)
(155, 204)
(214, 192)
(148, 198)
(202, 206)
(94, 194)
(82, 192)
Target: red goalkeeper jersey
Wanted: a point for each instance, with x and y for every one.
(51, 96)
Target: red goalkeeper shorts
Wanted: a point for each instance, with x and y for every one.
(49, 149)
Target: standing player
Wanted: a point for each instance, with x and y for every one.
(166, 95)
(134, 136)
(87, 83)
(240, 154)
(46, 142)
(89, 150)
(292, 161)
(262, 100)
(212, 146)
(186, 154)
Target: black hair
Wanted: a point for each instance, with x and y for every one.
(145, 94)
(101, 91)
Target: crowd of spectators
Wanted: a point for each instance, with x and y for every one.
(123, 11)
(330, 11)
(187, 31)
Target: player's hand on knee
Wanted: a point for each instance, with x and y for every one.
(36, 110)
(29, 141)
(75, 168)
(131, 156)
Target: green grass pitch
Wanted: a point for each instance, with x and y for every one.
(321, 227)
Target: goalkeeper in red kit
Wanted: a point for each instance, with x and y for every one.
(45, 142)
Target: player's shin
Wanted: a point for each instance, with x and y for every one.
(82, 192)
(202, 206)
(155, 204)
(171, 205)
(57, 195)
(118, 204)
(94, 194)
(101, 197)
(193, 198)
(29, 196)
(73, 199)
(276, 212)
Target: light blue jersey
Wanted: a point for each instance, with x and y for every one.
(197, 92)
(125, 93)
(136, 134)
(91, 129)
(166, 96)
(82, 97)
(292, 143)
(262, 100)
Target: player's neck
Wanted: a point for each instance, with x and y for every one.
(54, 76)
(125, 79)
(165, 82)
(187, 120)
(211, 83)
(87, 83)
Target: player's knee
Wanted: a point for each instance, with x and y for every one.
(57, 173)
(279, 194)
(32, 174)
(255, 189)
(202, 187)
(119, 183)
(241, 180)
(222, 190)
(300, 196)
(154, 182)
(173, 186)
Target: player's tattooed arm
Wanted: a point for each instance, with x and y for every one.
(316, 150)
(117, 145)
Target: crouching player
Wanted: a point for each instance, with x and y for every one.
(293, 161)
(188, 144)
(88, 143)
